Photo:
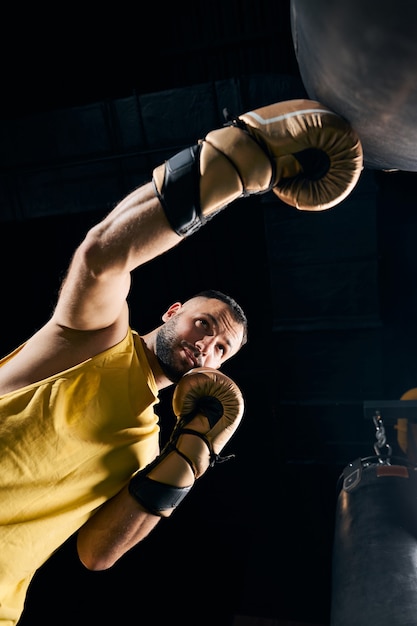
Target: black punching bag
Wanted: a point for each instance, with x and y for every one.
(374, 570)
(359, 57)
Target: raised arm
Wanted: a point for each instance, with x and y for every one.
(309, 156)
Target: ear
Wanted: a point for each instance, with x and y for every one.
(173, 310)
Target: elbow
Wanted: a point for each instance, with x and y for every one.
(93, 560)
(95, 564)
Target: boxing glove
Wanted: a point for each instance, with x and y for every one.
(308, 155)
(209, 407)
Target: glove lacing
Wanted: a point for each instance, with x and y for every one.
(213, 457)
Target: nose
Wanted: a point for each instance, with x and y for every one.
(205, 347)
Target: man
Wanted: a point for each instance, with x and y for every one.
(79, 446)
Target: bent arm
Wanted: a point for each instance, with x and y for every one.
(201, 432)
(94, 291)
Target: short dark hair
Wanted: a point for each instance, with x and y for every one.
(237, 312)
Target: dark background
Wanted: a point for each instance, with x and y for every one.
(91, 101)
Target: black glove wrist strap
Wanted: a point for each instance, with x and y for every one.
(180, 194)
(154, 496)
(157, 497)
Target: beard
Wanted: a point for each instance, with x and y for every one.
(166, 341)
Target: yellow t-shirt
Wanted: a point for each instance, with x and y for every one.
(67, 444)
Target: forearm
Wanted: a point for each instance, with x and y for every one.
(117, 527)
(135, 232)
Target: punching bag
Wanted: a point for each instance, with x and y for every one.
(374, 569)
(359, 57)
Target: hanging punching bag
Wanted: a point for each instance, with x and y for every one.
(359, 57)
(374, 570)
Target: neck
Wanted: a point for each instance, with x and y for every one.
(149, 341)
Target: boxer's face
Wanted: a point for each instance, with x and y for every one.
(201, 332)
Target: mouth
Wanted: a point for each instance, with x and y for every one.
(190, 356)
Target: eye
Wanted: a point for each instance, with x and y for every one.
(221, 348)
(202, 322)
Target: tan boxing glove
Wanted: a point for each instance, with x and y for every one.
(209, 407)
(307, 154)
